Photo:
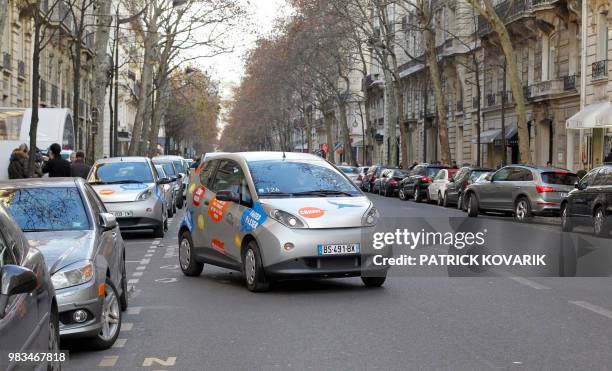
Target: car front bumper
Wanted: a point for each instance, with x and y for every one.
(146, 214)
(81, 297)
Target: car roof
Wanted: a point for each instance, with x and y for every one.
(263, 156)
(41, 182)
(123, 159)
(540, 168)
(169, 157)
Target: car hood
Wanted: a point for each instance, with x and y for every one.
(323, 212)
(121, 192)
(61, 248)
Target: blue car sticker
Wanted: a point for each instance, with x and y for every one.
(252, 218)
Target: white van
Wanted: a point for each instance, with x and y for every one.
(55, 125)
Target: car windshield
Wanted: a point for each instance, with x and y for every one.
(475, 174)
(179, 166)
(46, 208)
(304, 178)
(432, 171)
(348, 169)
(121, 172)
(168, 168)
(400, 173)
(160, 171)
(559, 178)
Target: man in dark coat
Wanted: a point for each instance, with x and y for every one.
(56, 166)
(78, 167)
(18, 164)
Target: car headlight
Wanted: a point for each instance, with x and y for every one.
(287, 219)
(144, 195)
(370, 218)
(73, 275)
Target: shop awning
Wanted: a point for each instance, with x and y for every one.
(488, 136)
(596, 115)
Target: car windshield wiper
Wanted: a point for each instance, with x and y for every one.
(124, 181)
(97, 182)
(275, 194)
(323, 193)
(38, 230)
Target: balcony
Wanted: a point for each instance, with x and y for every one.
(6, 62)
(491, 99)
(527, 90)
(54, 95)
(89, 41)
(21, 69)
(547, 88)
(506, 97)
(508, 11)
(569, 83)
(600, 69)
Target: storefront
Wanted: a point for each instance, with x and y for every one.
(592, 128)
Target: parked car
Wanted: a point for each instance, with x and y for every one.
(418, 180)
(373, 173)
(522, 191)
(363, 170)
(131, 190)
(352, 172)
(29, 320)
(590, 202)
(295, 216)
(83, 248)
(167, 190)
(463, 178)
(176, 180)
(389, 181)
(437, 188)
(181, 166)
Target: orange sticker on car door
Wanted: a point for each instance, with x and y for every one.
(216, 209)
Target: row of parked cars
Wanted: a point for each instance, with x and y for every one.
(521, 191)
(62, 256)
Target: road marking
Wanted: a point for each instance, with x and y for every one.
(126, 326)
(166, 280)
(132, 261)
(156, 242)
(150, 251)
(169, 361)
(530, 283)
(134, 310)
(148, 255)
(108, 361)
(593, 308)
(171, 266)
(137, 274)
(141, 267)
(119, 343)
(133, 281)
(145, 261)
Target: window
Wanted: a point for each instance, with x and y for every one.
(588, 179)
(520, 175)
(6, 253)
(502, 174)
(227, 177)
(561, 178)
(207, 172)
(604, 177)
(441, 175)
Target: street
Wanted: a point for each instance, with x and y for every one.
(212, 322)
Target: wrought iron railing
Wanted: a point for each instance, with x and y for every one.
(508, 11)
(600, 69)
(569, 83)
(491, 100)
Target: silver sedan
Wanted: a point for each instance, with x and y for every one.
(82, 246)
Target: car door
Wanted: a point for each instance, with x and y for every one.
(519, 180)
(581, 198)
(198, 205)
(436, 185)
(21, 324)
(225, 216)
(489, 195)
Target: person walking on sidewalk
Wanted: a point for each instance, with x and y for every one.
(56, 166)
(78, 167)
(18, 163)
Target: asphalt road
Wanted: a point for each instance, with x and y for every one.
(213, 323)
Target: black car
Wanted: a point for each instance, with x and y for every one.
(29, 320)
(464, 177)
(590, 203)
(389, 181)
(416, 183)
(373, 173)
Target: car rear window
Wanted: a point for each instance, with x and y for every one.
(400, 173)
(46, 208)
(433, 171)
(475, 174)
(559, 177)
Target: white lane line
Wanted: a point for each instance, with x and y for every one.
(133, 281)
(141, 268)
(134, 310)
(148, 255)
(150, 251)
(108, 361)
(132, 261)
(136, 274)
(126, 326)
(593, 308)
(156, 242)
(119, 343)
(145, 261)
(529, 283)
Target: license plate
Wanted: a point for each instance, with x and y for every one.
(122, 214)
(332, 249)
(563, 194)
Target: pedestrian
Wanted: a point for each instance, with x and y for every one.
(454, 165)
(78, 167)
(18, 163)
(608, 159)
(72, 157)
(548, 164)
(56, 166)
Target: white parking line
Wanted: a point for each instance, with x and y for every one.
(136, 274)
(530, 283)
(126, 326)
(148, 255)
(108, 361)
(133, 281)
(151, 251)
(134, 310)
(145, 261)
(141, 267)
(156, 242)
(119, 343)
(132, 261)
(593, 308)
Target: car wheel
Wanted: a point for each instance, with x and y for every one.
(170, 211)
(252, 268)
(179, 202)
(600, 223)
(566, 222)
(123, 299)
(160, 230)
(522, 210)
(401, 194)
(472, 206)
(110, 318)
(54, 341)
(460, 202)
(187, 260)
(445, 200)
(440, 199)
(174, 207)
(415, 195)
(373, 281)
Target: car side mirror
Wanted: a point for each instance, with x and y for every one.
(15, 280)
(107, 221)
(163, 181)
(227, 195)
(174, 178)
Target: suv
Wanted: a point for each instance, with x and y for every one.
(274, 216)
(590, 202)
(415, 185)
(521, 190)
(373, 173)
(463, 178)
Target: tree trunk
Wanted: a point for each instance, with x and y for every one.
(330, 141)
(76, 89)
(346, 135)
(161, 103)
(367, 141)
(150, 42)
(399, 102)
(391, 120)
(434, 73)
(101, 68)
(308, 117)
(35, 92)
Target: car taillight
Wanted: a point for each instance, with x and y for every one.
(393, 182)
(544, 189)
(426, 179)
